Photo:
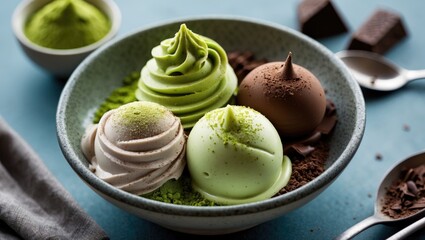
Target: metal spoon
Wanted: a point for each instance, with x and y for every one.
(378, 216)
(372, 71)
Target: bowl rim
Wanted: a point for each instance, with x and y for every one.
(136, 201)
(18, 20)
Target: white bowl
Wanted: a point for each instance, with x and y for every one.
(60, 62)
(104, 70)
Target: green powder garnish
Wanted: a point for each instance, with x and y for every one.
(67, 24)
(119, 96)
(179, 192)
(234, 125)
(141, 119)
(129, 115)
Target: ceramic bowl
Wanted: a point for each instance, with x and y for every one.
(102, 72)
(60, 62)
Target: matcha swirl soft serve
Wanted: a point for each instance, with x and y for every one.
(189, 74)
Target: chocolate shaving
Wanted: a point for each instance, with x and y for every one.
(406, 127)
(329, 121)
(411, 186)
(419, 204)
(327, 125)
(243, 63)
(304, 146)
(330, 107)
(406, 196)
(300, 149)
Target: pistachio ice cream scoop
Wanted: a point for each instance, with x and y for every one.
(136, 147)
(189, 74)
(235, 155)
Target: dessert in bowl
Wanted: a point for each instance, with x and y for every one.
(103, 71)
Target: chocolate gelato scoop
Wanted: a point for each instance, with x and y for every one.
(289, 95)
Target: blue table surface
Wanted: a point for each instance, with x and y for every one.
(395, 124)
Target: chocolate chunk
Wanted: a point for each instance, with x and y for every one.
(299, 149)
(329, 120)
(379, 33)
(319, 18)
(327, 125)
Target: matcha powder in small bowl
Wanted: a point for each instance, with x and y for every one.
(67, 24)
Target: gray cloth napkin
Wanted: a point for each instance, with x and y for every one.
(33, 204)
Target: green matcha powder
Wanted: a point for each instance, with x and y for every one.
(67, 24)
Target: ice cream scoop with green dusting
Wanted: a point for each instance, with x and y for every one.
(136, 147)
(235, 155)
(67, 24)
(138, 121)
(189, 74)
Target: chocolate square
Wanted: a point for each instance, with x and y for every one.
(379, 33)
(319, 18)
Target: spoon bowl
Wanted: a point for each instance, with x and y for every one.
(372, 71)
(379, 217)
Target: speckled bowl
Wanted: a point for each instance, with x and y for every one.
(102, 72)
(60, 62)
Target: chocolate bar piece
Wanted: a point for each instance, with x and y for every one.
(379, 33)
(319, 18)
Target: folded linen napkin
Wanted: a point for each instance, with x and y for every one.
(33, 204)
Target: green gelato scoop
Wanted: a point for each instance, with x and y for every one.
(189, 74)
(234, 156)
(67, 24)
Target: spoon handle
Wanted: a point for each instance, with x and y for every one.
(359, 227)
(408, 230)
(415, 74)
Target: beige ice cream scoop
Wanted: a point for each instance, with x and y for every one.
(136, 147)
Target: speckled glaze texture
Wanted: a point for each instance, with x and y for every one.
(102, 72)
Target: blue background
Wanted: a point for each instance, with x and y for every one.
(29, 97)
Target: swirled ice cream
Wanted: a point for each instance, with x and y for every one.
(189, 74)
(136, 147)
(234, 156)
